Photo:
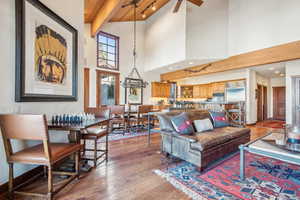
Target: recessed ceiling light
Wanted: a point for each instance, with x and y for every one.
(144, 15)
(271, 68)
(281, 74)
(277, 72)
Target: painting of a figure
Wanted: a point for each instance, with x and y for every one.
(134, 95)
(50, 56)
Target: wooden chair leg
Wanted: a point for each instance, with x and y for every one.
(95, 153)
(84, 147)
(50, 183)
(10, 183)
(77, 164)
(106, 148)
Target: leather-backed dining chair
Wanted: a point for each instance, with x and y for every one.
(141, 118)
(118, 116)
(34, 127)
(94, 134)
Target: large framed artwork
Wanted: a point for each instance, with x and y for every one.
(46, 54)
(133, 96)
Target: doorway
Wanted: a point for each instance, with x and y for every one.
(279, 103)
(108, 87)
(262, 102)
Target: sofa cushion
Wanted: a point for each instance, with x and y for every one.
(203, 125)
(183, 124)
(165, 123)
(208, 139)
(219, 119)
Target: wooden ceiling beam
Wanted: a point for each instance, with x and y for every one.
(280, 53)
(106, 12)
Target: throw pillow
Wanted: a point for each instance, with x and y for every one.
(219, 119)
(165, 123)
(183, 124)
(203, 125)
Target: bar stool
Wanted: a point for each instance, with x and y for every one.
(94, 134)
(34, 127)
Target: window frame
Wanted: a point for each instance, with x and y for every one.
(98, 86)
(117, 50)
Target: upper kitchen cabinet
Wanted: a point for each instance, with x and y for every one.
(218, 87)
(161, 90)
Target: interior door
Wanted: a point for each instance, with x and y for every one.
(279, 103)
(259, 103)
(265, 103)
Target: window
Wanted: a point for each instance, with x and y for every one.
(108, 51)
(108, 87)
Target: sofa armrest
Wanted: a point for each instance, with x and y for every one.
(189, 138)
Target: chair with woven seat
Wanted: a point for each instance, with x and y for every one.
(34, 127)
(94, 134)
(118, 117)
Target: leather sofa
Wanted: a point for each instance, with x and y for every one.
(203, 148)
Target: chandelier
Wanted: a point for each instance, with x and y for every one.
(134, 79)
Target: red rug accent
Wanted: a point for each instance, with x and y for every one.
(271, 124)
(266, 179)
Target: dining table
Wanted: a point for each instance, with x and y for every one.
(76, 130)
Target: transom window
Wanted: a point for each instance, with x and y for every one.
(108, 51)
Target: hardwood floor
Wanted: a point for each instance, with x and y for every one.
(128, 174)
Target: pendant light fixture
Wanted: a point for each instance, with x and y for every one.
(134, 79)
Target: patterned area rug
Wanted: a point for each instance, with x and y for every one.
(117, 135)
(271, 124)
(265, 179)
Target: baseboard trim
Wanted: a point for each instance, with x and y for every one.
(21, 179)
(251, 124)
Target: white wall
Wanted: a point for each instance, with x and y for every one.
(207, 28)
(292, 70)
(258, 24)
(72, 14)
(165, 37)
(251, 104)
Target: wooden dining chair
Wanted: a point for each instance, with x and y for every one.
(95, 133)
(141, 118)
(118, 117)
(34, 127)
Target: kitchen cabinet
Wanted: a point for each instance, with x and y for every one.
(162, 90)
(202, 91)
(218, 87)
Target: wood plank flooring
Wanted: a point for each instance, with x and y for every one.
(128, 174)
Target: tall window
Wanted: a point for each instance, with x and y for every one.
(108, 51)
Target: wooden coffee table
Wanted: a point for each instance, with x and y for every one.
(261, 147)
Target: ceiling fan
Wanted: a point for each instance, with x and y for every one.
(178, 4)
(133, 2)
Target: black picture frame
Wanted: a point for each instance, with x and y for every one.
(127, 91)
(20, 95)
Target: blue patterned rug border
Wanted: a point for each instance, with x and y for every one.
(178, 185)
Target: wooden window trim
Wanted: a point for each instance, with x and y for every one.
(116, 54)
(98, 82)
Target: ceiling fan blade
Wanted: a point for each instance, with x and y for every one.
(178, 4)
(196, 2)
